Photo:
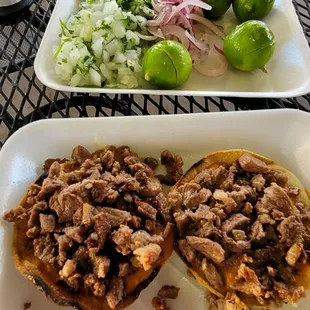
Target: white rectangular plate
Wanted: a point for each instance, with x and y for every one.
(281, 135)
(288, 71)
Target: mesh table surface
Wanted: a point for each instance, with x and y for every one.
(23, 99)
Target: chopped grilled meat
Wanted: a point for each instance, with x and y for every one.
(122, 238)
(15, 214)
(44, 249)
(142, 238)
(115, 294)
(208, 178)
(76, 233)
(151, 162)
(236, 246)
(239, 235)
(289, 294)
(68, 269)
(293, 254)
(248, 208)
(202, 213)
(169, 291)
(101, 264)
(234, 221)
(292, 231)
(248, 282)
(194, 195)
(276, 198)
(159, 303)
(207, 247)
(47, 223)
(80, 153)
(229, 181)
(64, 244)
(250, 163)
(123, 269)
(87, 214)
(181, 220)
(115, 217)
(146, 210)
(102, 228)
(150, 225)
(212, 274)
(258, 182)
(186, 250)
(257, 231)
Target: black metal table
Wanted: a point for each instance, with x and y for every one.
(23, 99)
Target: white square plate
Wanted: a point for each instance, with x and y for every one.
(288, 71)
(281, 135)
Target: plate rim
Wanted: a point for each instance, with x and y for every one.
(298, 91)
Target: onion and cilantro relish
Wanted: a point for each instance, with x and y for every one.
(103, 43)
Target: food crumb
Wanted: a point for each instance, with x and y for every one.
(169, 291)
(27, 305)
(159, 303)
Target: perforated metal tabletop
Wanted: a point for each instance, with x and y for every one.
(23, 99)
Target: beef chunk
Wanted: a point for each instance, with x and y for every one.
(168, 229)
(151, 187)
(248, 208)
(76, 233)
(212, 275)
(208, 178)
(206, 229)
(102, 228)
(150, 225)
(15, 214)
(234, 221)
(207, 247)
(258, 182)
(80, 153)
(292, 191)
(275, 198)
(229, 181)
(293, 254)
(47, 223)
(102, 191)
(151, 162)
(108, 159)
(186, 250)
(181, 220)
(202, 213)
(142, 238)
(115, 217)
(122, 239)
(250, 163)
(239, 235)
(44, 249)
(277, 215)
(73, 281)
(291, 230)
(172, 163)
(174, 200)
(101, 264)
(51, 183)
(159, 303)
(123, 269)
(236, 246)
(87, 214)
(135, 222)
(97, 286)
(68, 269)
(34, 218)
(127, 182)
(169, 291)
(65, 205)
(230, 302)
(194, 195)
(64, 244)
(146, 210)
(230, 204)
(289, 294)
(116, 292)
(265, 219)
(276, 176)
(248, 282)
(148, 255)
(257, 231)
